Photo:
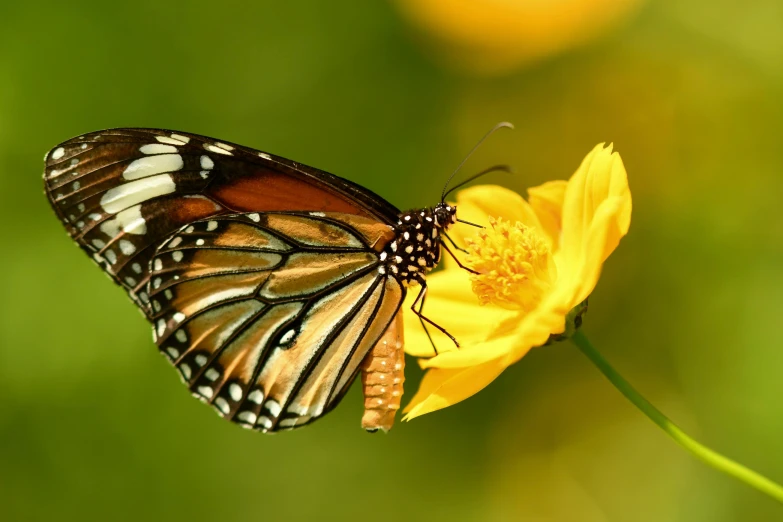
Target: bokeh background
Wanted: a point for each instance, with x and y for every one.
(94, 424)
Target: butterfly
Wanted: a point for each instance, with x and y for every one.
(270, 285)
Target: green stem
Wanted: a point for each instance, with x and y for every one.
(705, 454)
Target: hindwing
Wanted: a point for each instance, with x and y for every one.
(267, 316)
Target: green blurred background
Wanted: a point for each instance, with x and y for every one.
(94, 425)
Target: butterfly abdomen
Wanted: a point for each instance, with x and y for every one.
(383, 375)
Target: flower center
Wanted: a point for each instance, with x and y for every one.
(513, 265)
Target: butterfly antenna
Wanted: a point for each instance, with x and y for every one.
(469, 223)
(502, 124)
(495, 168)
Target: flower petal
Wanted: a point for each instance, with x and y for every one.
(499, 202)
(442, 388)
(605, 232)
(476, 203)
(511, 338)
(451, 304)
(596, 214)
(547, 202)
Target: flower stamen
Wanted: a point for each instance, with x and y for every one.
(513, 265)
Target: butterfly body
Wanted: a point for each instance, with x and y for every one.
(269, 285)
(415, 250)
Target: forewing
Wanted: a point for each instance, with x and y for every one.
(267, 316)
(121, 192)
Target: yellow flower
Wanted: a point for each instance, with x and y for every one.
(496, 36)
(536, 261)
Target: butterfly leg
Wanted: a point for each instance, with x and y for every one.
(455, 244)
(423, 295)
(447, 249)
(420, 300)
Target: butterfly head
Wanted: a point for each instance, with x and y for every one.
(444, 215)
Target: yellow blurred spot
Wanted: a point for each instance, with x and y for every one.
(496, 36)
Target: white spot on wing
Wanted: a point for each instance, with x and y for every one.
(266, 422)
(288, 336)
(173, 352)
(205, 391)
(235, 391)
(207, 163)
(222, 405)
(151, 165)
(180, 137)
(219, 150)
(58, 153)
(178, 140)
(126, 247)
(157, 148)
(211, 225)
(212, 374)
(273, 406)
(297, 409)
(255, 217)
(129, 221)
(256, 396)
(119, 198)
(247, 416)
(265, 156)
(200, 359)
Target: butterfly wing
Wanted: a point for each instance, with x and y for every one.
(121, 192)
(268, 316)
(259, 274)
